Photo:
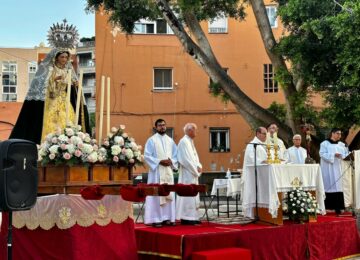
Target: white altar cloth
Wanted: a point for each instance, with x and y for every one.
(276, 178)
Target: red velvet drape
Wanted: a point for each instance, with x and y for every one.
(114, 241)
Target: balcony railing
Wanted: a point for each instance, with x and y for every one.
(86, 44)
(217, 30)
(88, 63)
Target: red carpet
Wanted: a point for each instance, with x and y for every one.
(329, 238)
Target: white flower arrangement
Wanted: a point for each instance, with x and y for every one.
(300, 204)
(120, 149)
(68, 146)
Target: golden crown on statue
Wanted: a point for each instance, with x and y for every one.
(63, 35)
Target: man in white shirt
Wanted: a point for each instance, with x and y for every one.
(332, 151)
(161, 156)
(190, 169)
(273, 128)
(296, 154)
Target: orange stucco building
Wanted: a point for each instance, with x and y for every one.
(137, 63)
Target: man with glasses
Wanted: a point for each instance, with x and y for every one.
(261, 156)
(296, 154)
(161, 156)
(332, 151)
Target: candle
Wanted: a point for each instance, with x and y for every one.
(67, 105)
(78, 98)
(101, 108)
(268, 138)
(275, 139)
(108, 106)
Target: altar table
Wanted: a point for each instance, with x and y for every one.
(69, 227)
(276, 178)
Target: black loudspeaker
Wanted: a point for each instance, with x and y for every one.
(18, 175)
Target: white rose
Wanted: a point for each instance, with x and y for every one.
(87, 148)
(129, 153)
(63, 138)
(294, 212)
(125, 135)
(114, 129)
(69, 132)
(102, 151)
(302, 210)
(54, 149)
(93, 157)
(70, 148)
(119, 140)
(115, 149)
(52, 156)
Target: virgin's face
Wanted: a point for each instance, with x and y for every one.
(62, 59)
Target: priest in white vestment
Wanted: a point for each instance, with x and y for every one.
(161, 156)
(332, 151)
(190, 169)
(282, 154)
(296, 154)
(248, 167)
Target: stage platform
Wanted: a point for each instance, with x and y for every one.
(329, 238)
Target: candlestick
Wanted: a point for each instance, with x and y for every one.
(67, 105)
(78, 98)
(275, 139)
(101, 108)
(108, 107)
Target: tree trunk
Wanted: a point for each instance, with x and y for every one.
(277, 61)
(254, 114)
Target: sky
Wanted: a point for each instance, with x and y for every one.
(25, 23)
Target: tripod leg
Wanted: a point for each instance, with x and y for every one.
(9, 238)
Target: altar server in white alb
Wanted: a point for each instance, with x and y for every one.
(190, 169)
(332, 151)
(161, 156)
(296, 154)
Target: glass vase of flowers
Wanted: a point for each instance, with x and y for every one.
(300, 205)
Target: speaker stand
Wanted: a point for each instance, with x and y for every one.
(9, 238)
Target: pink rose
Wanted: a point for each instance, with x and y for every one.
(63, 146)
(131, 161)
(123, 151)
(78, 153)
(115, 158)
(67, 156)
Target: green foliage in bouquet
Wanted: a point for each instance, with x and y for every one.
(68, 146)
(120, 149)
(300, 204)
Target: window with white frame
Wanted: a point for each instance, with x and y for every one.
(32, 67)
(218, 25)
(272, 14)
(270, 84)
(219, 140)
(163, 79)
(9, 81)
(159, 26)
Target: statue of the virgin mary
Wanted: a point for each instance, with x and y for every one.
(44, 108)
